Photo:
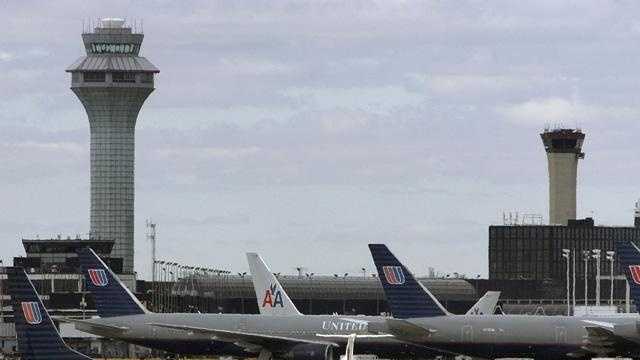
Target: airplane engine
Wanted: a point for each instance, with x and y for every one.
(312, 352)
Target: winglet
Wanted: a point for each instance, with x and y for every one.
(38, 338)
(112, 297)
(629, 257)
(486, 305)
(271, 297)
(407, 297)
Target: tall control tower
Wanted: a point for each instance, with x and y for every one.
(564, 149)
(112, 81)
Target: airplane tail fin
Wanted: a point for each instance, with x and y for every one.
(38, 338)
(486, 305)
(111, 296)
(272, 299)
(629, 257)
(407, 297)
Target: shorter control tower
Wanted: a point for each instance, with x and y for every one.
(564, 149)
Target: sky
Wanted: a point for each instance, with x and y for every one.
(304, 130)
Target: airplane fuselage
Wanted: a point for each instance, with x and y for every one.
(137, 329)
(504, 336)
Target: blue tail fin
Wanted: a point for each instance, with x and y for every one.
(407, 298)
(629, 257)
(38, 338)
(111, 296)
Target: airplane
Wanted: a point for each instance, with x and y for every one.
(38, 338)
(420, 319)
(308, 337)
(273, 300)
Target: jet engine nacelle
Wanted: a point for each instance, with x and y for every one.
(312, 352)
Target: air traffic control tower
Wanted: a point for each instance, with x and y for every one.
(564, 149)
(112, 81)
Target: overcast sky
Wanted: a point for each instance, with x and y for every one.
(305, 130)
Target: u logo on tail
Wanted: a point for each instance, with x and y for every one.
(31, 312)
(98, 277)
(635, 273)
(393, 274)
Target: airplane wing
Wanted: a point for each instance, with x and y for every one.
(90, 327)
(602, 340)
(408, 331)
(250, 341)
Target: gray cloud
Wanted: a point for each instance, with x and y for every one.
(296, 128)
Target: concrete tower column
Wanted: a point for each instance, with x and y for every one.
(112, 82)
(564, 149)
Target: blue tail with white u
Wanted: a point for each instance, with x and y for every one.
(407, 297)
(628, 254)
(38, 338)
(111, 296)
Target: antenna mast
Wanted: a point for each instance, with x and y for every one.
(151, 236)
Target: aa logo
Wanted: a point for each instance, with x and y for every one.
(98, 277)
(272, 297)
(31, 312)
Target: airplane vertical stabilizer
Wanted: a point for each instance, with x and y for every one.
(629, 257)
(38, 338)
(407, 297)
(486, 305)
(112, 297)
(271, 297)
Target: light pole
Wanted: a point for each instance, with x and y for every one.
(242, 275)
(596, 255)
(364, 273)
(344, 301)
(310, 278)
(586, 254)
(164, 280)
(573, 265)
(611, 258)
(566, 253)
(1, 295)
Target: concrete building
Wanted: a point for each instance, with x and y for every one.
(564, 149)
(112, 81)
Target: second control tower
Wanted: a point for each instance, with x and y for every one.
(112, 81)
(564, 149)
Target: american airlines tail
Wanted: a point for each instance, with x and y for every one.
(407, 297)
(272, 299)
(486, 305)
(111, 296)
(629, 258)
(38, 338)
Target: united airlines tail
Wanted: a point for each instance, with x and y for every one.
(486, 305)
(38, 338)
(629, 257)
(111, 296)
(272, 299)
(407, 297)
